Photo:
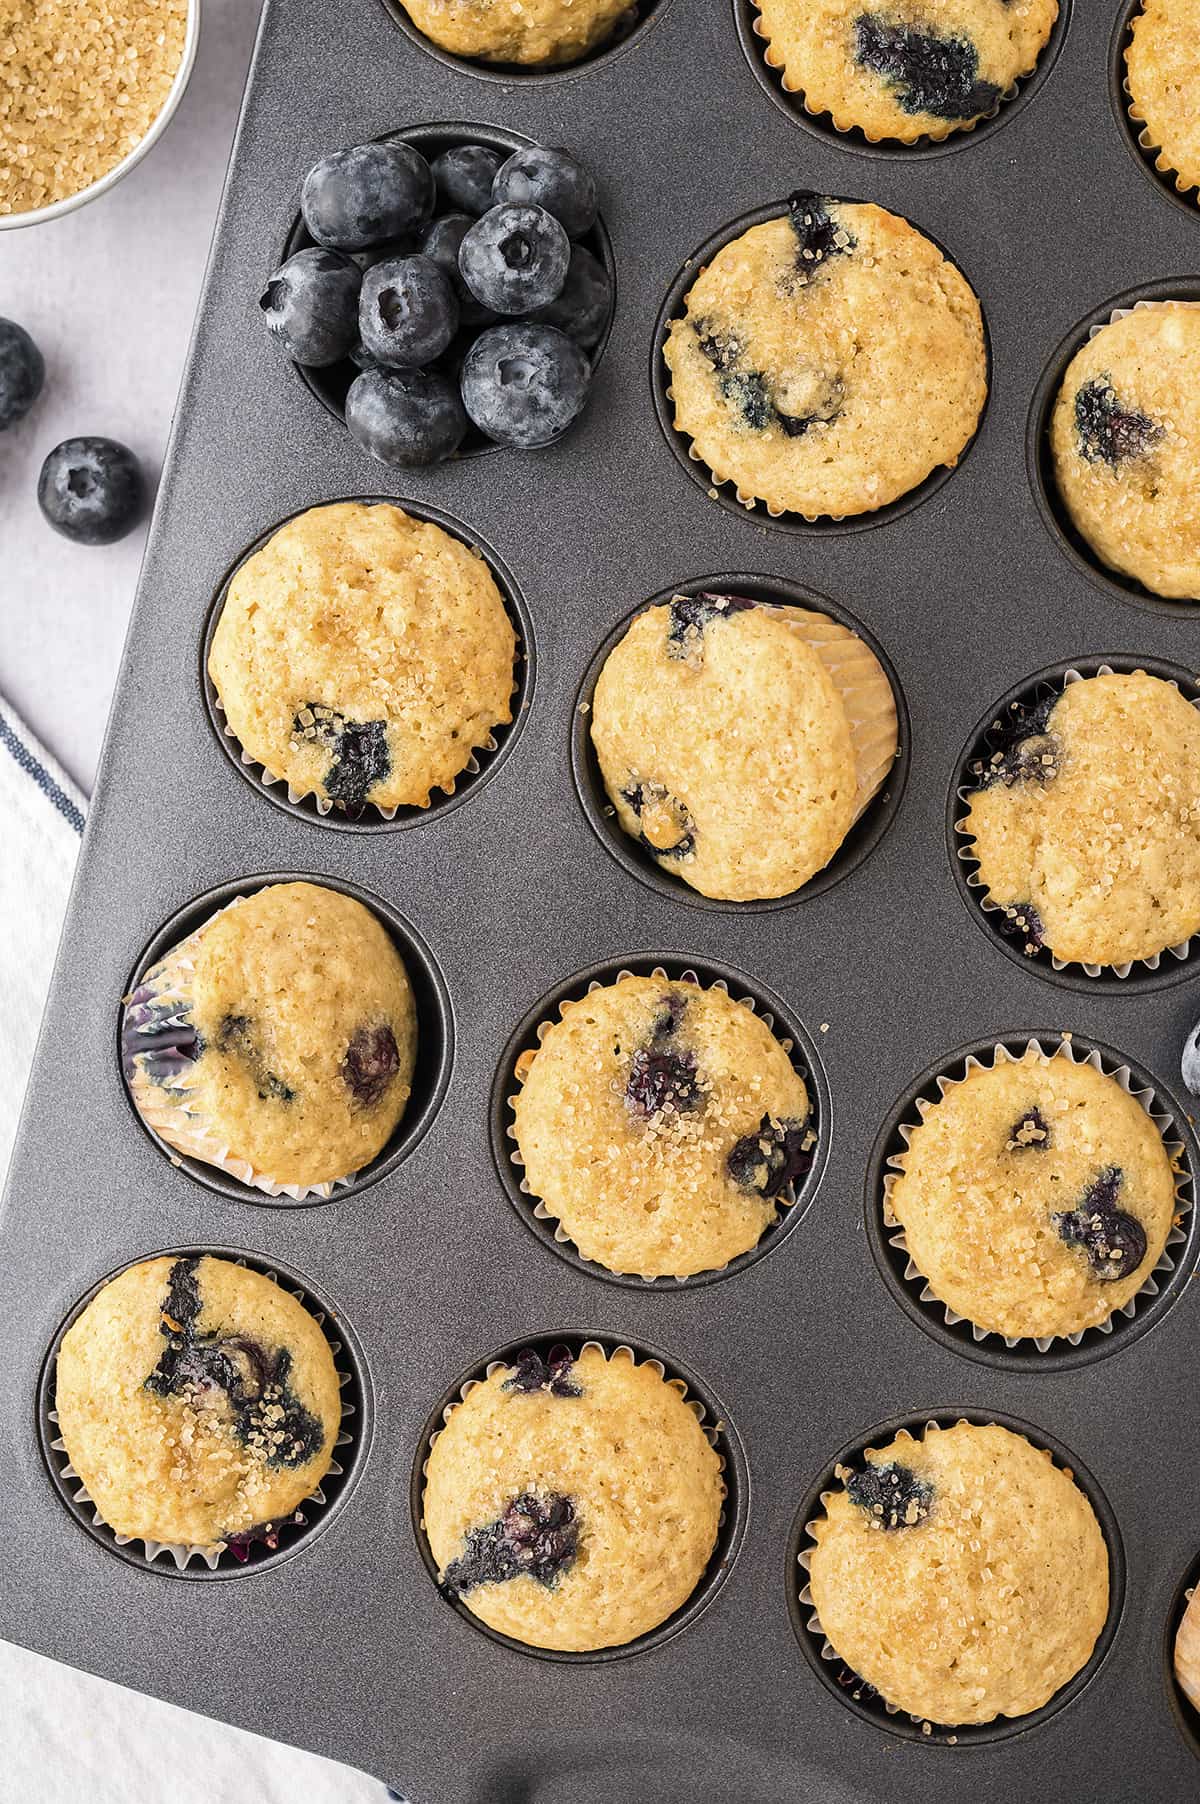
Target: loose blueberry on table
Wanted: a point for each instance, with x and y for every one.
(22, 372)
(91, 490)
(445, 296)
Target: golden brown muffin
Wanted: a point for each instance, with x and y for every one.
(1036, 1197)
(278, 1040)
(963, 1575)
(573, 1502)
(197, 1401)
(740, 742)
(537, 33)
(905, 69)
(828, 361)
(364, 656)
(1125, 439)
(661, 1124)
(1163, 79)
(1087, 826)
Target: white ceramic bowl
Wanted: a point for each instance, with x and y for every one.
(39, 215)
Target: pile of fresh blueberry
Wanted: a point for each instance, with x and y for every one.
(451, 294)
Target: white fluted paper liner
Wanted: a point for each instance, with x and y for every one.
(974, 881)
(1162, 1120)
(1138, 307)
(210, 1553)
(860, 681)
(1155, 152)
(786, 1197)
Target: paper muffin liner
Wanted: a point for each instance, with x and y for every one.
(784, 1201)
(966, 856)
(268, 1534)
(1163, 1120)
(1142, 134)
(1185, 1651)
(866, 693)
(168, 1112)
(1138, 307)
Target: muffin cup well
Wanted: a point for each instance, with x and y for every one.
(1161, 968)
(793, 1203)
(207, 1159)
(852, 1690)
(640, 16)
(717, 487)
(277, 1540)
(873, 819)
(484, 761)
(1136, 133)
(791, 100)
(717, 1429)
(910, 1285)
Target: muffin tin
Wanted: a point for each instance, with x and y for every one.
(341, 1641)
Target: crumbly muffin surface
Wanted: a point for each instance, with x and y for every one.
(963, 1575)
(573, 1501)
(905, 69)
(364, 655)
(1125, 439)
(1036, 1197)
(198, 1401)
(1163, 78)
(661, 1124)
(283, 1030)
(1087, 828)
(828, 361)
(536, 33)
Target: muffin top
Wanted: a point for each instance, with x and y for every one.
(1125, 436)
(828, 360)
(573, 1501)
(1036, 1197)
(905, 69)
(537, 32)
(363, 655)
(726, 744)
(1087, 827)
(281, 1034)
(1163, 77)
(661, 1124)
(963, 1575)
(198, 1402)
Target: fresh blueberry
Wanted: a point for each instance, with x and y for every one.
(440, 242)
(515, 258)
(524, 384)
(371, 1062)
(91, 490)
(929, 74)
(364, 195)
(553, 179)
(22, 372)
(1107, 432)
(1190, 1063)
(311, 306)
(583, 307)
(407, 312)
(405, 246)
(532, 1372)
(893, 1496)
(362, 359)
(537, 1537)
(405, 417)
(464, 175)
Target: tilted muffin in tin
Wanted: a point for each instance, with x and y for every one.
(364, 655)
(1086, 824)
(963, 1574)
(197, 1401)
(828, 361)
(740, 742)
(1162, 75)
(1036, 1196)
(905, 69)
(537, 33)
(573, 1501)
(661, 1124)
(1125, 440)
(278, 1040)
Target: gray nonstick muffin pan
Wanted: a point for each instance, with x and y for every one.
(432, 1263)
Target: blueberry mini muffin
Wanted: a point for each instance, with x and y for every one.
(198, 1402)
(662, 1125)
(905, 69)
(740, 742)
(364, 656)
(963, 1575)
(1125, 440)
(1086, 823)
(537, 33)
(1036, 1196)
(828, 360)
(573, 1502)
(1162, 77)
(277, 1041)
